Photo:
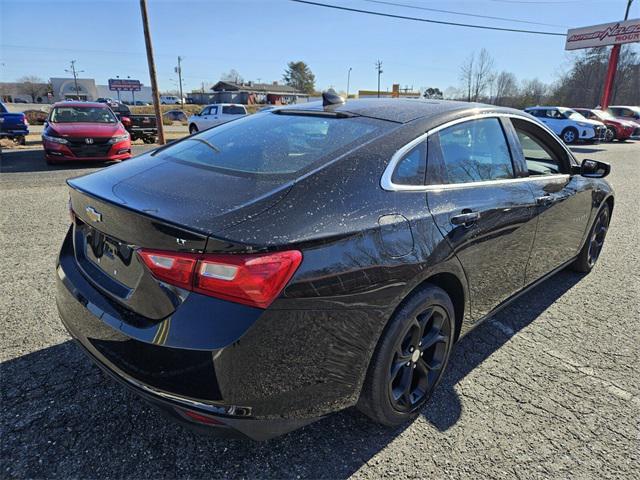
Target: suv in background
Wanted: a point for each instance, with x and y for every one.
(215, 114)
(629, 114)
(568, 124)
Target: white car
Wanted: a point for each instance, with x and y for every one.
(568, 124)
(215, 114)
(169, 100)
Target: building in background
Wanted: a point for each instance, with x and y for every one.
(249, 93)
(396, 92)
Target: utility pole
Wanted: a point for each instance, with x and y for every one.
(379, 69)
(179, 72)
(152, 71)
(348, 80)
(611, 69)
(75, 77)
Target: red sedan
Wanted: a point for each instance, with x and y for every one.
(616, 129)
(84, 131)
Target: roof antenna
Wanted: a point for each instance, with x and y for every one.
(331, 97)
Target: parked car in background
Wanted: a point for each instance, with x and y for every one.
(169, 100)
(176, 116)
(215, 114)
(265, 273)
(19, 100)
(568, 124)
(629, 114)
(616, 129)
(84, 131)
(140, 126)
(13, 125)
(107, 100)
(36, 117)
(141, 103)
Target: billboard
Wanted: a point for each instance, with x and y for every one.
(614, 33)
(124, 85)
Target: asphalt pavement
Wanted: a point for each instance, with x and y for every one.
(549, 388)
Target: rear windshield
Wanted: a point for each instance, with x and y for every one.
(82, 114)
(275, 144)
(233, 110)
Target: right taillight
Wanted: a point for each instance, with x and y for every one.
(251, 279)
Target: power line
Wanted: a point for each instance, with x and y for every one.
(425, 20)
(415, 7)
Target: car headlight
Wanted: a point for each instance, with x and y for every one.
(118, 138)
(49, 138)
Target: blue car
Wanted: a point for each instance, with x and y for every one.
(13, 125)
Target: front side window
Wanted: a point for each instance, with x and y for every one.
(411, 169)
(475, 151)
(78, 114)
(273, 144)
(205, 111)
(542, 154)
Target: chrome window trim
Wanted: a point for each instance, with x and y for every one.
(387, 184)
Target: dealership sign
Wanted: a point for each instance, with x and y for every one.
(602, 35)
(126, 85)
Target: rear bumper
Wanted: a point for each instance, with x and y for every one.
(260, 372)
(14, 132)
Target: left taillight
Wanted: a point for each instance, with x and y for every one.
(250, 279)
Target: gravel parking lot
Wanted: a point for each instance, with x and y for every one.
(549, 388)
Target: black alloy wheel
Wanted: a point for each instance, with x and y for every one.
(592, 248)
(599, 232)
(410, 357)
(418, 360)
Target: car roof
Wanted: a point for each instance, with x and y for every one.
(81, 104)
(225, 105)
(400, 110)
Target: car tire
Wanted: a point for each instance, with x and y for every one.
(400, 381)
(193, 129)
(149, 140)
(569, 135)
(610, 134)
(592, 248)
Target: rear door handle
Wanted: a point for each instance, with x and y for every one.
(467, 218)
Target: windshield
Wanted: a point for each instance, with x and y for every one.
(573, 115)
(275, 144)
(78, 114)
(601, 114)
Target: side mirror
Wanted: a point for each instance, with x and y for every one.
(45, 123)
(594, 169)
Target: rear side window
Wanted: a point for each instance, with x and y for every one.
(274, 144)
(233, 110)
(475, 151)
(411, 169)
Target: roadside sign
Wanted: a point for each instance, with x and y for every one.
(615, 33)
(124, 85)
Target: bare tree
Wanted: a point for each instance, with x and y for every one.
(232, 76)
(506, 87)
(33, 86)
(466, 75)
(533, 92)
(483, 74)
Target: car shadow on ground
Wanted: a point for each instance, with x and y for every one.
(22, 161)
(61, 415)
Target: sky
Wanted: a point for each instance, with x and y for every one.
(258, 37)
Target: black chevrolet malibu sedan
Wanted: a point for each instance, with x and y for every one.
(269, 271)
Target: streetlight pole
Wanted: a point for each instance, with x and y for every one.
(379, 69)
(179, 71)
(348, 80)
(611, 69)
(152, 71)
